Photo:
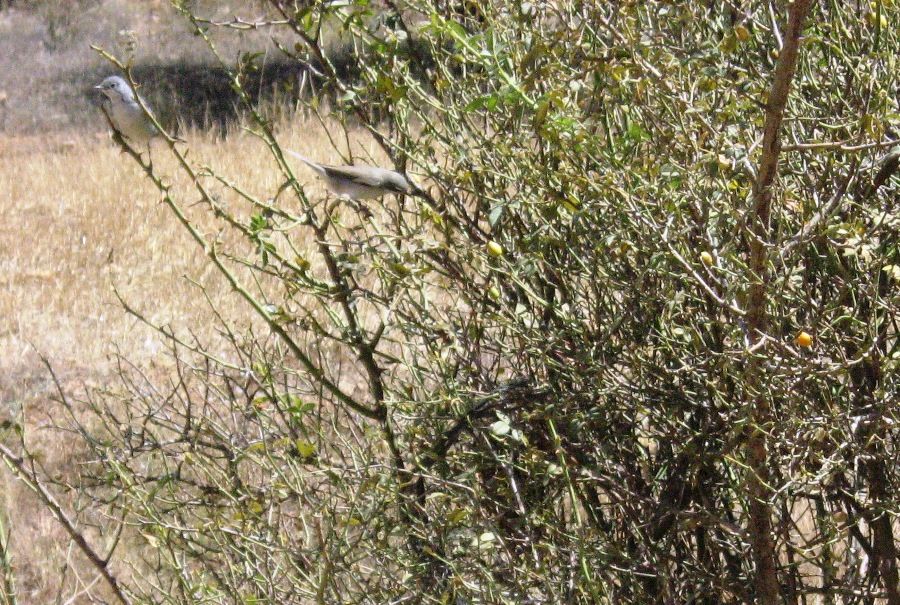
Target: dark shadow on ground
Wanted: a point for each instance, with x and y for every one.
(201, 96)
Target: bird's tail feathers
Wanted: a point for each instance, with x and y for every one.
(317, 167)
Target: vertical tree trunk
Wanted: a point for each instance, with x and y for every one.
(882, 532)
(868, 378)
(759, 227)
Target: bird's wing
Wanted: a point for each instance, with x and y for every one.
(370, 176)
(137, 106)
(367, 176)
(358, 174)
(106, 108)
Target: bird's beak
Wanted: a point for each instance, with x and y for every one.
(98, 87)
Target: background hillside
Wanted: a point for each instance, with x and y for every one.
(47, 68)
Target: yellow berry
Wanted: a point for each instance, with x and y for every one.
(804, 340)
(494, 249)
(873, 19)
(742, 33)
(707, 258)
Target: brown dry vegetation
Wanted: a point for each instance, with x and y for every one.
(83, 224)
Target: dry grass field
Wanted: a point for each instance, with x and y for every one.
(82, 223)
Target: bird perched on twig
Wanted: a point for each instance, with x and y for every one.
(359, 182)
(124, 112)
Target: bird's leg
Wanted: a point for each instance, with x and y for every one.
(361, 208)
(149, 157)
(281, 190)
(358, 206)
(399, 222)
(329, 209)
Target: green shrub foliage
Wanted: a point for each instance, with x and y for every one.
(571, 370)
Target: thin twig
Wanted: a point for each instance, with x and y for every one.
(20, 469)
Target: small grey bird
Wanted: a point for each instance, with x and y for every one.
(359, 182)
(125, 113)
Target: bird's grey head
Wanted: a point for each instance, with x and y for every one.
(116, 89)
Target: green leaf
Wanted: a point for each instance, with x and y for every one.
(258, 223)
(488, 102)
(501, 427)
(495, 214)
(304, 448)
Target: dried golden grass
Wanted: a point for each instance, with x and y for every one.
(81, 220)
